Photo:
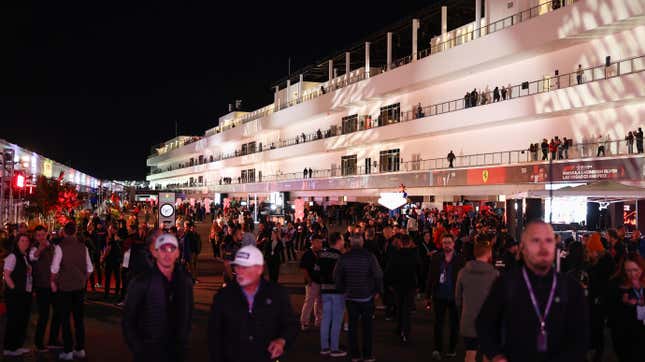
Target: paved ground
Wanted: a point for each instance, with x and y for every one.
(105, 341)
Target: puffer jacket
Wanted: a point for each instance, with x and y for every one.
(148, 329)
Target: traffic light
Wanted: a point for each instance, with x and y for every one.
(19, 181)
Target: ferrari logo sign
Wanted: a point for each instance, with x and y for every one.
(485, 176)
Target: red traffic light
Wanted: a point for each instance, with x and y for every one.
(19, 181)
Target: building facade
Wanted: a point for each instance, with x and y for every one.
(540, 69)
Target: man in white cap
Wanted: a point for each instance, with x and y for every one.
(251, 320)
(159, 306)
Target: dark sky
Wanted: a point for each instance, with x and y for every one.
(94, 85)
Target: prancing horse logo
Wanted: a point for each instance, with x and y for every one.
(485, 176)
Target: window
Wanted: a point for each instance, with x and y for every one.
(247, 175)
(390, 114)
(368, 165)
(389, 160)
(350, 124)
(244, 149)
(251, 147)
(211, 158)
(192, 161)
(348, 165)
(200, 180)
(201, 159)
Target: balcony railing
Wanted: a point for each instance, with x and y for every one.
(612, 148)
(582, 76)
(453, 41)
(459, 39)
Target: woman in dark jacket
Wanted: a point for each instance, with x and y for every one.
(17, 276)
(272, 254)
(627, 302)
(401, 277)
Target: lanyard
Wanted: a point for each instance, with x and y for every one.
(639, 293)
(541, 317)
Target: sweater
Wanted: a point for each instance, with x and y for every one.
(473, 284)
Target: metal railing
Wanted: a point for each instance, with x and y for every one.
(610, 148)
(456, 40)
(582, 76)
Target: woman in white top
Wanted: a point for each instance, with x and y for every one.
(17, 276)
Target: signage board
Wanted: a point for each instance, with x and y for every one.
(392, 200)
(167, 211)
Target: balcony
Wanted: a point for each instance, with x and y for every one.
(415, 173)
(438, 45)
(526, 89)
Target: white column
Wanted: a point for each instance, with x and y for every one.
(415, 34)
(367, 59)
(301, 86)
(389, 50)
(487, 11)
(478, 15)
(288, 91)
(276, 101)
(444, 21)
(348, 68)
(331, 70)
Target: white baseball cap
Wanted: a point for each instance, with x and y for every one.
(164, 239)
(249, 256)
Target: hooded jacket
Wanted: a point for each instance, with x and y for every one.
(473, 284)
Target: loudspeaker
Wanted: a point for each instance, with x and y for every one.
(607, 60)
(525, 85)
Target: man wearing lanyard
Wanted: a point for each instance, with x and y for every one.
(532, 313)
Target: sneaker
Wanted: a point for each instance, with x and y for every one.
(9, 353)
(325, 352)
(54, 345)
(338, 354)
(23, 350)
(436, 355)
(451, 354)
(369, 359)
(66, 356)
(79, 354)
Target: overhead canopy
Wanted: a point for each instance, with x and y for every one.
(601, 191)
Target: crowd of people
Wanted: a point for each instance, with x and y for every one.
(485, 96)
(506, 299)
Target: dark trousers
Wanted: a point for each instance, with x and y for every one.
(46, 301)
(18, 311)
(363, 311)
(597, 319)
(273, 267)
(291, 253)
(125, 278)
(441, 307)
(544, 155)
(601, 149)
(109, 270)
(71, 303)
(639, 146)
(215, 248)
(404, 305)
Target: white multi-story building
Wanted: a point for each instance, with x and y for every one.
(361, 133)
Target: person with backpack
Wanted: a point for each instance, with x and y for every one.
(532, 313)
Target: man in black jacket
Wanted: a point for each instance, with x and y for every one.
(444, 268)
(532, 313)
(360, 277)
(401, 277)
(159, 306)
(251, 320)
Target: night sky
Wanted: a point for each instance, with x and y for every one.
(95, 85)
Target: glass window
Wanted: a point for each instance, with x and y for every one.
(350, 124)
(389, 160)
(348, 165)
(390, 114)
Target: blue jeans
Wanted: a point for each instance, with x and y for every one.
(332, 319)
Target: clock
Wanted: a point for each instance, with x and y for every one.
(167, 210)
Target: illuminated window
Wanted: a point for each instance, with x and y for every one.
(348, 165)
